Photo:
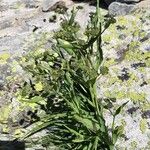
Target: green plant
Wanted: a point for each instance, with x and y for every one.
(63, 83)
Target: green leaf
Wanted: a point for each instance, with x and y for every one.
(95, 146)
(88, 123)
(90, 146)
(72, 18)
(49, 117)
(45, 65)
(92, 81)
(38, 128)
(26, 89)
(67, 46)
(104, 70)
(118, 131)
(75, 132)
(78, 140)
(120, 108)
(35, 99)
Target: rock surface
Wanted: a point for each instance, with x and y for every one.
(108, 2)
(24, 27)
(49, 5)
(124, 7)
(116, 9)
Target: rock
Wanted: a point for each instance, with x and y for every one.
(30, 3)
(108, 2)
(50, 5)
(144, 4)
(5, 24)
(116, 8)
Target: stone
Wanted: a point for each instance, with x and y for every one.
(30, 3)
(5, 24)
(116, 9)
(108, 2)
(50, 5)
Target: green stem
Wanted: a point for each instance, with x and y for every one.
(113, 124)
(98, 13)
(99, 40)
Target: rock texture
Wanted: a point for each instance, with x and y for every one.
(28, 24)
(108, 2)
(116, 9)
(124, 7)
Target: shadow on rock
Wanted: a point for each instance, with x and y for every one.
(12, 145)
(103, 4)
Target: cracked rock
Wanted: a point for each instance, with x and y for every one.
(50, 5)
(117, 9)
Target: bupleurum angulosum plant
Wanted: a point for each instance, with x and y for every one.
(63, 83)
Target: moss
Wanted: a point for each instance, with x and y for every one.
(109, 62)
(14, 69)
(123, 122)
(136, 55)
(112, 80)
(129, 82)
(4, 57)
(107, 38)
(2, 93)
(5, 129)
(120, 95)
(133, 145)
(133, 55)
(148, 61)
(18, 133)
(5, 113)
(107, 94)
(145, 106)
(115, 93)
(142, 70)
(133, 77)
(122, 20)
(143, 125)
(137, 97)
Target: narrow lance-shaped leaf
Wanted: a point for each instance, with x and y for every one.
(120, 108)
(68, 47)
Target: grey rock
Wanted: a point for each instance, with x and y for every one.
(108, 2)
(5, 24)
(49, 5)
(30, 4)
(3, 8)
(146, 114)
(147, 48)
(116, 9)
(11, 43)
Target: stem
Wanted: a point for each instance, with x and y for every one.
(113, 125)
(99, 40)
(98, 13)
